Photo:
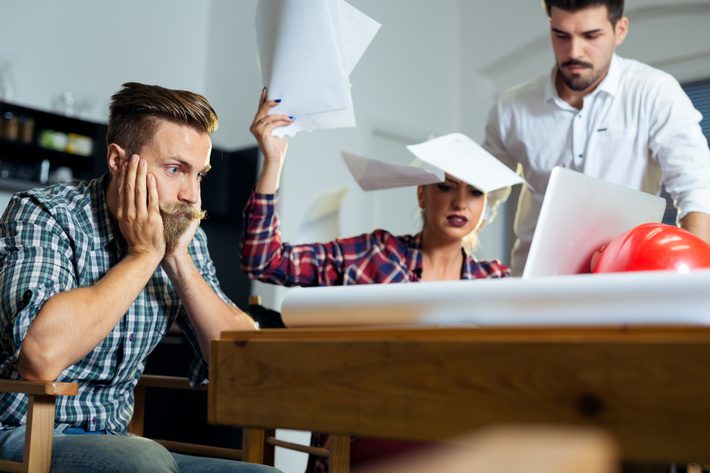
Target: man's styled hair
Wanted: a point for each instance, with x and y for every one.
(615, 8)
(136, 109)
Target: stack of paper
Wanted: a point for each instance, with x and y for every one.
(307, 50)
(454, 154)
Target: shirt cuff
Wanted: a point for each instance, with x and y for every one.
(262, 205)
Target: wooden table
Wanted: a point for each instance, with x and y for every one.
(650, 387)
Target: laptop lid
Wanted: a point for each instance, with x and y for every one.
(579, 214)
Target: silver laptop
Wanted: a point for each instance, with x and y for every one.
(579, 214)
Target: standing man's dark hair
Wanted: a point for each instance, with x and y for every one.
(614, 7)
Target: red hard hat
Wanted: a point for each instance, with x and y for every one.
(654, 246)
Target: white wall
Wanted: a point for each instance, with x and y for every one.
(233, 81)
(91, 47)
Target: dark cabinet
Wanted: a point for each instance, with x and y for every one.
(39, 147)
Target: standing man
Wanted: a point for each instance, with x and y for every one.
(93, 273)
(603, 115)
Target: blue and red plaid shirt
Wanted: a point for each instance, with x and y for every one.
(371, 258)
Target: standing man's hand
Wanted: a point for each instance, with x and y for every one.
(138, 213)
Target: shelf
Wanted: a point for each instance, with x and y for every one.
(26, 161)
(22, 148)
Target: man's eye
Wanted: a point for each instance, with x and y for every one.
(201, 176)
(172, 169)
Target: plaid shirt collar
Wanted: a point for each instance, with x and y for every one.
(105, 226)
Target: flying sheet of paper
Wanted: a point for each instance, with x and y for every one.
(461, 157)
(322, 221)
(358, 31)
(371, 174)
(307, 49)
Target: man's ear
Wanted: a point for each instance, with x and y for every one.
(115, 156)
(621, 29)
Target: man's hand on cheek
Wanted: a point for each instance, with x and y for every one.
(138, 212)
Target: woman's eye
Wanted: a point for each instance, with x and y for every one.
(475, 192)
(444, 187)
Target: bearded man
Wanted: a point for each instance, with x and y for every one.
(92, 274)
(603, 115)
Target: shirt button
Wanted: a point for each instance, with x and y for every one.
(93, 421)
(132, 336)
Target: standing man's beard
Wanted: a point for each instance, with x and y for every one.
(579, 83)
(176, 218)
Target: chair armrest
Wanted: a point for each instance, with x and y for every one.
(167, 382)
(39, 388)
(37, 454)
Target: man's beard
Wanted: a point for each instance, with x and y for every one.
(576, 82)
(176, 219)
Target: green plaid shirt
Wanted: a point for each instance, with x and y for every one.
(61, 237)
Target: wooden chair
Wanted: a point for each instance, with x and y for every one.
(40, 422)
(173, 383)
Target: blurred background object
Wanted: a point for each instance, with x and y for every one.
(516, 449)
(7, 80)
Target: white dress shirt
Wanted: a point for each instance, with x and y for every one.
(638, 128)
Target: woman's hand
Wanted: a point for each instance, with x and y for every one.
(272, 147)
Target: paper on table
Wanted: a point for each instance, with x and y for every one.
(322, 221)
(616, 299)
(372, 174)
(463, 158)
(336, 36)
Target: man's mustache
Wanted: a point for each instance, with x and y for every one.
(187, 211)
(575, 62)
